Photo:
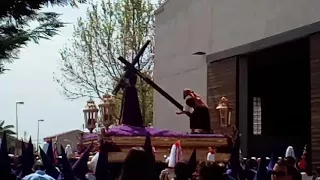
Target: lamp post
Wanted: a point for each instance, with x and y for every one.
(17, 124)
(224, 112)
(17, 121)
(107, 108)
(40, 120)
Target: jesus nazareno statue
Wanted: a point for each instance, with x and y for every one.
(130, 110)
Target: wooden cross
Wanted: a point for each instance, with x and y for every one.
(129, 69)
(151, 83)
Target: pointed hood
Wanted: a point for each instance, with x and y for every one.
(67, 169)
(147, 144)
(49, 167)
(30, 154)
(30, 147)
(50, 152)
(290, 152)
(262, 173)
(80, 168)
(150, 157)
(272, 162)
(175, 154)
(27, 159)
(192, 163)
(235, 169)
(5, 167)
(102, 168)
(23, 146)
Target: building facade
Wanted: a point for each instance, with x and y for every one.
(65, 138)
(240, 38)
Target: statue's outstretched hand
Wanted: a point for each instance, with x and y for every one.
(179, 112)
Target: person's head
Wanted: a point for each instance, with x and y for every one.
(191, 102)
(38, 166)
(186, 92)
(181, 170)
(250, 164)
(290, 161)
(135, 165)
(212, 170)
(280, 171)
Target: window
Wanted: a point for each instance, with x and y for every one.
(257, 116)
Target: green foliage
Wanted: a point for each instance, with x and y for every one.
(112, 28)
(15, 18)
(7, 129)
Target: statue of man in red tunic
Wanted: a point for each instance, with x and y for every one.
(198, 111)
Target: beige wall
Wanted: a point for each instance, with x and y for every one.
(67, 138)
(187, 26)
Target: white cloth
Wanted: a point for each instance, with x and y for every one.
(94, 162)
(68, 151)
(211, 157)
(305, 176)
(175, 155)
(167, 159)
(45, 147)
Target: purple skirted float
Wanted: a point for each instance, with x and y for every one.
(131, 131)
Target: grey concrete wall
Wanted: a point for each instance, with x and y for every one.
(177, 38)
(187, 26)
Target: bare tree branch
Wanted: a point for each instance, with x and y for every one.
(88, 64)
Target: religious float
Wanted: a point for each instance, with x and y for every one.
(131, 131)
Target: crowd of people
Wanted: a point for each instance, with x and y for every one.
(140, 164)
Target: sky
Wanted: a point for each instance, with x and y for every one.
(31, 80)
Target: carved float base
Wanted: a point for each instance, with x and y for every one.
(163, 145)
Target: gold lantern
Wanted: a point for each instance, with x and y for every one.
(107, 110)
(90, 115)
(224, 112)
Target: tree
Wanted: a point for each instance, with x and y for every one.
(7, 129)
(15, 18)
(89, 68)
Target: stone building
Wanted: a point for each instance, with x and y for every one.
(263, 56)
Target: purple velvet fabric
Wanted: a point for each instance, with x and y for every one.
(125, 130)
(130, 112)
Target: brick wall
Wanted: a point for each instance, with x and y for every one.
(222, 81)
(315, 98)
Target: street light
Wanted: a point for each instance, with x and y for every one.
(17, 122)
(40, 120)
(107, 108)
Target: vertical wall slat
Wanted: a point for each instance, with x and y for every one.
(315, 98)
(221, 81)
